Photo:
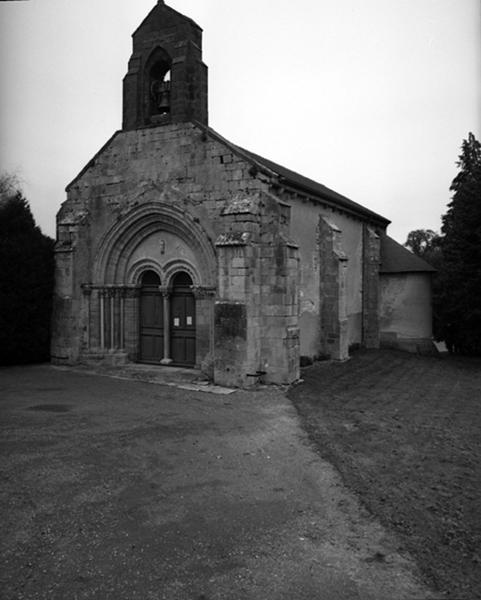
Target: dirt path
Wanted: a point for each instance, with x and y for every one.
(121, 490)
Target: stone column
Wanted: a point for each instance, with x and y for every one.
(102, 319)
(123, 292)
(166, 308)
(112, 318)
(87, 291)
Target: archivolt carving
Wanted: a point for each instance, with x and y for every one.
(119, 243)
(134, 274)
(174, 266)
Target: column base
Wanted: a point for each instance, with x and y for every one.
(166, 361)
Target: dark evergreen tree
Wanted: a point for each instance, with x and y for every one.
(26, 280)
(460, 277)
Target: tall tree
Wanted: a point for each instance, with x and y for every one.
(26, 280)
(419, 240)
(425, 243)
(460, 280)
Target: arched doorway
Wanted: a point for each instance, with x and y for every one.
(151, 319)
(123, 258)
(182, 331)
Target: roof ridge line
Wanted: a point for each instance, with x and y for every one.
(302, 182)
(237, 149)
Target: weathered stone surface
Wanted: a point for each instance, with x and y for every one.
(275, 271)
(166, 42)
(333, 265)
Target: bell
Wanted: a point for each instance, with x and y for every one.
(164, 101)
(160, 95)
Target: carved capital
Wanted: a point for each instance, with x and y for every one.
(133, 292)
(201, 291)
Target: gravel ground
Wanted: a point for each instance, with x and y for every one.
(116, 490)
(404, 432)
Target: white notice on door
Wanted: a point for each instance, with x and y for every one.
(176, 322)
(189, 320)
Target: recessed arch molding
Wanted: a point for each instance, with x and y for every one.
(112, 263)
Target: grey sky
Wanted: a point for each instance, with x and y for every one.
(370, 97)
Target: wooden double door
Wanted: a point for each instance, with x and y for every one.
(167, 324)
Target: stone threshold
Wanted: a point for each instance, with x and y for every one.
(178, 377)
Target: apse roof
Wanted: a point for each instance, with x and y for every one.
(398, 259)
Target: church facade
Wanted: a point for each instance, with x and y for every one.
(177, 247)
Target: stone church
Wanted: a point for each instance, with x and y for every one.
(177, 247)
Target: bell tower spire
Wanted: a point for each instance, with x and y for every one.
(166, 80)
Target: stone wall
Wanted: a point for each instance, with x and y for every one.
(179, 197)
(305, 214)
(172, 198)
(258, 282)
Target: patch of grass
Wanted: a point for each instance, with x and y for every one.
(404, 431)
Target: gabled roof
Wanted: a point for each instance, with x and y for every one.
(398, 259)
(309, 185)
(299, 182)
